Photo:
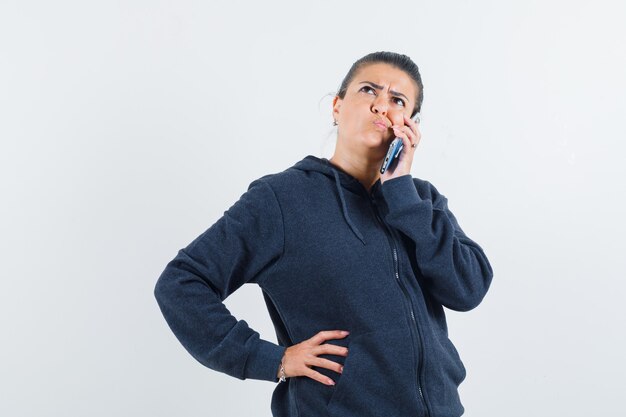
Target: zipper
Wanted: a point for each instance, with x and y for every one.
(391, 241)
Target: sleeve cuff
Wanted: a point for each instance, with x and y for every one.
(400, 192)
(264, 361)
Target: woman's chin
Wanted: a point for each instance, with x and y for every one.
(377, 141)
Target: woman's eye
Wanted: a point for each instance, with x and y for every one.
(369, 89)
(399, 101)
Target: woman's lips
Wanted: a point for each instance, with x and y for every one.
(380, 125)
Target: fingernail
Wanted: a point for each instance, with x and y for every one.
(345, 332)
(341, 369)
(331, 382)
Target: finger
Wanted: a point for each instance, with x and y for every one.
(402, 132)
(328, 364)
(417, 138)
(413, 137)
(411, 123)
(324, 335)
(414, 126)
(330, 349)
(319, 377)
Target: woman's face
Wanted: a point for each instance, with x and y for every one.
(377, 98)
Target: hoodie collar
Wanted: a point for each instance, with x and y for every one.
(342, 180)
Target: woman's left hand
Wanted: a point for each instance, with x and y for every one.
(410, 135)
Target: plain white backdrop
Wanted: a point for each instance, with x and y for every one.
(128, 128)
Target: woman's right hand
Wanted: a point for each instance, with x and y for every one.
(297, 359)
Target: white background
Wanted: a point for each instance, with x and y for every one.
(128, 128)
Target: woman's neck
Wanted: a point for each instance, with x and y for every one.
(366, 171)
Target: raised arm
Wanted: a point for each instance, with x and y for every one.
(240, 247)
(455, 268)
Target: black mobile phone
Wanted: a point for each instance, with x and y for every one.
(395, 147)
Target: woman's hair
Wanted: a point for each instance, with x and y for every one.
(399, 61)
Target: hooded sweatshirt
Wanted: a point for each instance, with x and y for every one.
(328, 254)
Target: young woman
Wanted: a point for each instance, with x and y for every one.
(337, 247)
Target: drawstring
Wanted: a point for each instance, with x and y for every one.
(355, 229)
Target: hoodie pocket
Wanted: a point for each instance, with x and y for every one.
(379, 376)
(454, 366)
(446, 374)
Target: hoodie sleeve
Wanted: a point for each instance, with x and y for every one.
(456, 270)
(242, 244)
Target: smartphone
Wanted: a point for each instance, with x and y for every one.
(395, 147)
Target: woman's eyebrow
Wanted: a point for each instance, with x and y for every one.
(380, 87)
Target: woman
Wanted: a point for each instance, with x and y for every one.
(335, 246)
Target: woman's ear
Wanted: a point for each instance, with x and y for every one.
(336, 106)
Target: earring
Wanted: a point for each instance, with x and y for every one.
(335, 123)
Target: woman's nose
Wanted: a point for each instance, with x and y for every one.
(379, 105)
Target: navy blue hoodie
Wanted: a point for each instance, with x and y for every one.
(329, 254)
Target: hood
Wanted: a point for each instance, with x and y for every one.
(342, 180)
